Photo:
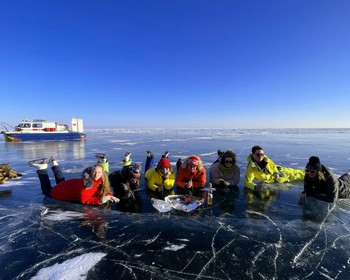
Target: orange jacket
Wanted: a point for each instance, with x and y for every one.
(199, 177)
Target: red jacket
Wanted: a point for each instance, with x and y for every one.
(75, 190)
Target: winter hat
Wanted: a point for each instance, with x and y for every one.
(135, 171)
(193, 160)
(314, 163)
(163, 162)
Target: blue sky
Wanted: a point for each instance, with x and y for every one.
(176, 64)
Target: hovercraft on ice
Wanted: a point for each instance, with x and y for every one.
(37, 130)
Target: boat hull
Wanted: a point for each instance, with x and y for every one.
(42, 136)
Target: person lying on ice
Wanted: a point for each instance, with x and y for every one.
(92, 188)
(263, 170)
(159, 178)
(322, 184)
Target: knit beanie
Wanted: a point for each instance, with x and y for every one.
(314, 163)
(135, 171)
(163, 162)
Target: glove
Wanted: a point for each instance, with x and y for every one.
(222, 183)
(114, 199)
(259, 186)
(109, 198)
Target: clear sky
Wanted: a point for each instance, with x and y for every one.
(176, 63)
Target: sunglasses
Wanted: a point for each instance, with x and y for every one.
(228, 161)
(310, 171)
(259, 155)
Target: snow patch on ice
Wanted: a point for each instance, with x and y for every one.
(72, 269)
(174, 247)
(61, 215)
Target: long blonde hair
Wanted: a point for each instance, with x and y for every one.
(104, 188)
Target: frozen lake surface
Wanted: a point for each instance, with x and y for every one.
(243, 235)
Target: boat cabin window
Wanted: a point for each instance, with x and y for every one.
(25, 125)
(37, 125)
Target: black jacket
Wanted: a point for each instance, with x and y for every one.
(330, 189)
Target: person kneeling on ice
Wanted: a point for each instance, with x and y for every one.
(93, 188)
(191, 175)
(224, 172)
(322, 184)
(264, 170)
(161, 177)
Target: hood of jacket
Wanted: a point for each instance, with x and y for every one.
(199, 166)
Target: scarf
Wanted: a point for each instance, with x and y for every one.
(225, 169)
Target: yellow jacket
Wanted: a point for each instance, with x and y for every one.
(154, 179)
(255, 172)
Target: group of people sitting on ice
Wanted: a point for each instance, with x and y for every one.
(98, 186)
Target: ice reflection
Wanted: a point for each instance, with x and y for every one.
(35, 150)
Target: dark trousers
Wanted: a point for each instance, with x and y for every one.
(45, 182)
(149, 163)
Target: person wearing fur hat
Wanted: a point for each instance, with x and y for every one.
(191, 175)
(93, 188)
(262, 169)
(160, 177)
(322, 184)
(225, 172)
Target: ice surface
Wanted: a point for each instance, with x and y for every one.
(243, 235)
(71, 269)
